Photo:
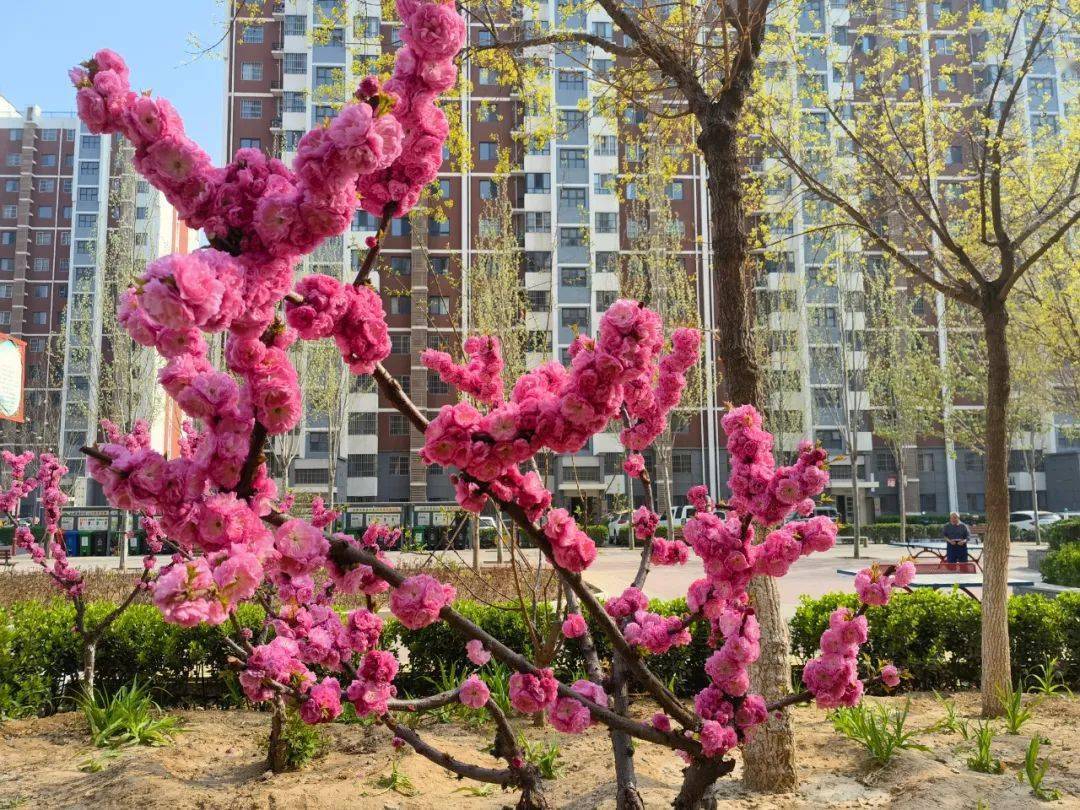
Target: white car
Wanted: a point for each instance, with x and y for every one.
(615, 525)
(1025, 520)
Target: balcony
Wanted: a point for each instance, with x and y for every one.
(275, 123)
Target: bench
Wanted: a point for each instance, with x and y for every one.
(7, 557)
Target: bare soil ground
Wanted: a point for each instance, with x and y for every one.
(217, 762)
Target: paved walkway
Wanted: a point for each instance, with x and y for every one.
(615, 567)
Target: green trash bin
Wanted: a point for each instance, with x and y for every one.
(84, 544)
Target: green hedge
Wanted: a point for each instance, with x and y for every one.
(970, 518)
(1062, 533)
(40, 654)
(1062, 565)
(935, 636)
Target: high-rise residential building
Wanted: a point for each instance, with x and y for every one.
(292, 63)
(75, 225)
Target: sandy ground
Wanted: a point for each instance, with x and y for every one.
(217, 762)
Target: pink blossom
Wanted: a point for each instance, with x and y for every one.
(634, 465)
(474, 693)
(890, 676)
(323, 702)
(574, 626)
(417, 601)
(531, 693)
(476, 653)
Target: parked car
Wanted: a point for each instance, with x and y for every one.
(827, 511)
(679, 516)
(1025, 520)
(615, 524)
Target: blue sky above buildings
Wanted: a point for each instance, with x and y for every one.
(41, 39)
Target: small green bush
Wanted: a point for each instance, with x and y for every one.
(1062, 565)
(1062, 533)
(303, 742)
(127, 717)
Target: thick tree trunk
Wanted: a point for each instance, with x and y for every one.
(698, 777)
(996, 674)
(770, 755)
(627, 796)
(275, 755)
(89, 661)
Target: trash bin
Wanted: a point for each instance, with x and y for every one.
(71, 540)
(99, 542)
(84, 544)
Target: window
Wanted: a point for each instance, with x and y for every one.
(366, 27)
(41, 265)
(41, 291)
(484, 37)
(251, 71)
(141, 239)
(604, 299)
(295, 63)
(43, 238)
(311, 475)
(361, 466)
(14, 134)
(488, 150)
(251, 143)
(399, 425)
(324, 113)
(400, 226)
(606, 262)
(885, 462)
(400, 343)
(486, 76)
(251, 108)
(10, 211)
(575, 318)
(401, 265)
(926, 463)
(440, 227)
(439, 305)
(537, 261)
(36, 344)
(538, 183)
(141, 212)
(88, 194)
(14, 158)
(364, 384)
(47, 185)
(294, 102)
(65, 184)
(571, 120)
(399, 464)
(956, 154)
(573, 277)
(604, 184)
(11, 185)
(602, 29)
(88, 170)
(675, 190)
(326, 75)
(6, 290)
(5, 318)
(7, 237)
(928, 502)
(86, 220)
(601, 67)
(572, 237)
(318, 442)
(41, 318)
(605, 145)
(436, 386)
(573, 198)
(681, 462)
(487, 190)
(7, 265)
(48, 161)
(606, 222)
(973, 462)
(571, 80)
(252, 35)
(295, 25)
(400, 305)
(572, 158)
(363, 424)
(539, 300)
(537, 221)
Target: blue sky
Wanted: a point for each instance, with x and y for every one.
(41, 39)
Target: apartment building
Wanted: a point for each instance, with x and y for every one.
(287, 68)
(67, 195)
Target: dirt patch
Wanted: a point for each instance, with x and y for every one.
(218, 762)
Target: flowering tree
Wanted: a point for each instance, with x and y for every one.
(235, 541)
(69, 580)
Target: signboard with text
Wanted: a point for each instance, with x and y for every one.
(12, 378)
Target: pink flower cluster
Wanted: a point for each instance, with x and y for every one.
(874, 585)
(323, 702)
(571, 716)
(634, 465)
(645, 522)
(656, 633)
(432, 33)
(574, 626)
(481, 378)
(833, 677)
(533, 693)
(669, 552)
(417, 601)
(627, 603)
(277, 662)
(474, 693)
(768, 493)
(571, 547)
(650, 405)
(373, 686)
(352, 316)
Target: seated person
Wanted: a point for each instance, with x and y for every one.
(956, 534)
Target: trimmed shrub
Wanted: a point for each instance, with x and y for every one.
(936, 636)
(1062, 565)
(1062, 533)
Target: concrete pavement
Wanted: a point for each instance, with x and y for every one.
(614, 568)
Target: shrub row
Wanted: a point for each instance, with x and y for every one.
(1062, 533)
(935, 636)
(1062, 566)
